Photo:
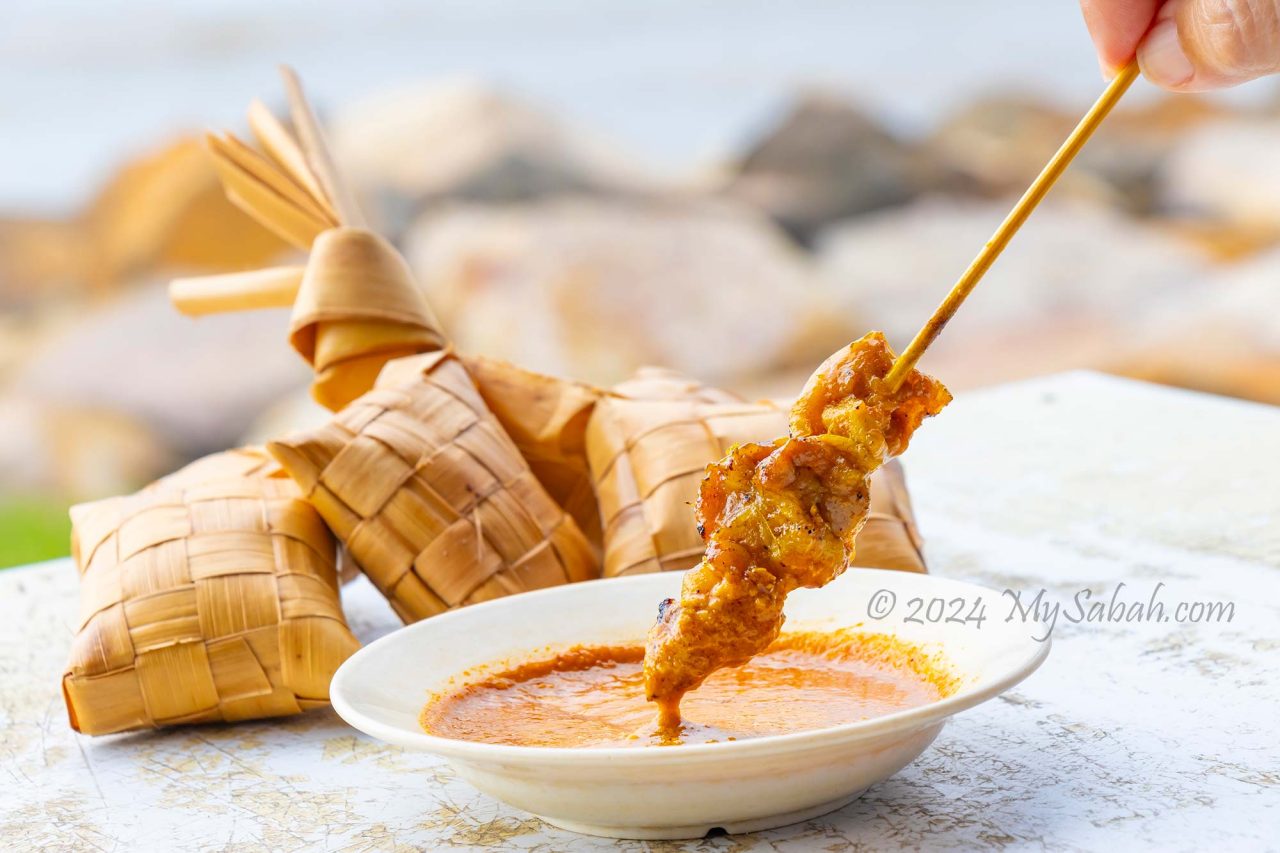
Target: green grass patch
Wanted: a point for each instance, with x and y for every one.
(33, 529)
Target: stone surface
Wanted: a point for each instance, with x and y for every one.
(41, 260)
(998, 144)
(162, 211)
(1223, 337)
(461, 139)
(1228, 169)
(293, 411)
(1063, 295)
(594, 288)
(75, 452)
(1131, 736)
(121, 359)
(165, 210)
(825, 160)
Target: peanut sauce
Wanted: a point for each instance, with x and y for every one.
(594, 696)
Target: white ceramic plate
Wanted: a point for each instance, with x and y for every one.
(683, 791)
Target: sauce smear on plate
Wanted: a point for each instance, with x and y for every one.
(594, 696)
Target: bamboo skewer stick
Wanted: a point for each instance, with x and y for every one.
(1032, 197)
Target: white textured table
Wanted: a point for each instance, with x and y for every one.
(1156, 735)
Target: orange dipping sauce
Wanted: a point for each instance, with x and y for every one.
(593, 696)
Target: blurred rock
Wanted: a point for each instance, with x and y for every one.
(22, 331)
(1061, 296)
(40, 261)
(593, 289)
(195, 384)
(461, 139)
(292, 412)
(1222, 337)
(162, 212)
(166, 211)
(827, 160)
(1001, 143)
(75, 452)
(1221, 240)
(1228, 170)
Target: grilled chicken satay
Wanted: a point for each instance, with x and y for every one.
(783, 515)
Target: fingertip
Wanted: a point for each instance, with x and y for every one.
(1116, 27)
(1163, 59)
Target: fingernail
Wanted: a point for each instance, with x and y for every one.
(1162, 58)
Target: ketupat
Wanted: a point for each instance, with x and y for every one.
(439, 507)
(430, 495)
(210, 595)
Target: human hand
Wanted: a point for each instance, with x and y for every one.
(1188, 45)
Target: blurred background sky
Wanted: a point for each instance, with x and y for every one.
(84, 83)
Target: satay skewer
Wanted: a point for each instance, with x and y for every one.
(1032, 197)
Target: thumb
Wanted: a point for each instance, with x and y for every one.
(1196, 45)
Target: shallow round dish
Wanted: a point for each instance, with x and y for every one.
(681, 791)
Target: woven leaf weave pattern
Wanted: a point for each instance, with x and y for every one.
(648, 457)
(211, 595)
(430, 495)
